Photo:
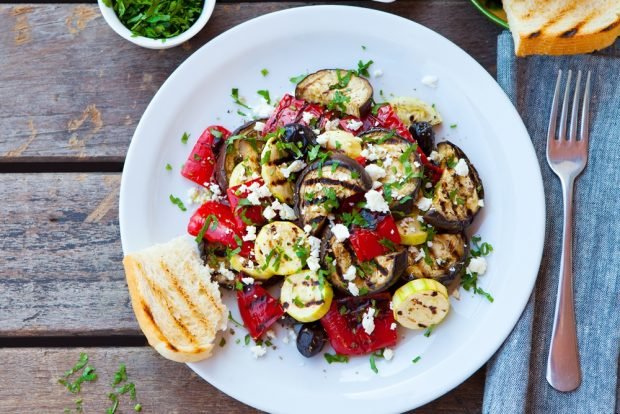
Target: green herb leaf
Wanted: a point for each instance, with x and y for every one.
(120, 375)
(336, 358)
(338, 102)
(416, 359)
(362, 68)
(137, 408)
(265, 94)
(114, 398)
(429, 330)
(177, 202)
(184, 138)
(453, 126)
(168, 167)
(343, 81)
(246, 340)
(264, 72)
(373, 365)
(230, 318)
(235, 95)
(297, 79)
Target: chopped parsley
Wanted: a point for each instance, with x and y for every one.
(246, 339)
(177, 202)
(416, 359)
(373, 365)
(88, 374)
(297, 79)
(156, 20)
(184, 138)
(339, 102)
(137, 408)
(298, 302)
(265, 94)
(336, 358)
(388, 244)
(230, 318)
(453, 126)
(211, 223)
(235, 95)
(168, 167)
(343, 81)
(452, 161)
(362, 68)
(264, 72)
(429, 331)
(363, 47)
(469, 281)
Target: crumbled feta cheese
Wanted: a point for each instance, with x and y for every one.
(440, 261)
(421, 255)
(377, 73)
(435, 156)
(315, 244)
(387, 161)
(430, 81)
(374, 152)
(332, 125)
(354, 125)
(429, 243)
(428, 185)
(255, 192)
(270, 334)
(200, 196)
(322, 140)
(349, 275)
(307, 117)
(353, 289)
(259, 126)
(461, 168)
(368, 321)
(258, 351)
(316, 131)
(424, 203)
(313, 263)
(388, 354)
(286, 211)
(376, 202)
(417, 164)
(285, 340)
(269, 213)
(215, 189)
(307, 228)
(222, 270)
(376, 184)
(481, 203)
(393, 326)
(420, 219)
(375, 171)
(250, 233)
(477, 265)
(341, 232)
(247, 280)
(262, 110)
(293, 167)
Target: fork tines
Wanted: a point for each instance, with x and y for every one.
(585, 109)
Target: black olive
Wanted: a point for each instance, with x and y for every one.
(299, 135)
(311, 339)
(287, 321)
(424, 134)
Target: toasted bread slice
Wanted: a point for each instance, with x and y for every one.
(562, 27)
(178, 307)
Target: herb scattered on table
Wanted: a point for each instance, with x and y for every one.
(120, 378)
(88, 375)
(160, 19)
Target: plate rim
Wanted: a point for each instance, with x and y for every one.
(489, 80)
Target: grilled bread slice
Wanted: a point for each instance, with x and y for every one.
(178, 307)
(562, 27)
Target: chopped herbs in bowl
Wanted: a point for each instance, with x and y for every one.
(157, 24)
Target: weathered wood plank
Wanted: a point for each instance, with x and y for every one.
(72, 89)
(60, 256)
(162, 386)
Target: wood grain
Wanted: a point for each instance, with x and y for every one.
(61, 271)
(74, 90)
(162, 386)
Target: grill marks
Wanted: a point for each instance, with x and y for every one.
(332, 182)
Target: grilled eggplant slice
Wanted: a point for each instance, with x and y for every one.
(323, 185)
(279, 153)
(457, 196)
(372, 276)
(443, 261)
(401, 174)
(338, 89)
(410, 110)
(246, 147)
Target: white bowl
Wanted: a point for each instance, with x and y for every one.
(114, 22)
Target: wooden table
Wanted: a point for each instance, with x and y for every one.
(71, 94)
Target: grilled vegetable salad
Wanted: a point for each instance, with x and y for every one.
(348, 205)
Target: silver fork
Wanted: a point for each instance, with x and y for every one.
(567, 156)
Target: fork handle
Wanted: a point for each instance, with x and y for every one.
(563, 370)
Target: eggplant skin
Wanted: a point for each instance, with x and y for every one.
(376, 143)
(227, 159)
(309, 194)
(446, 214)
(315, 88)
(452, 251)
(385, 270)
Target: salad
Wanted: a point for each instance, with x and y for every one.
(347, 205)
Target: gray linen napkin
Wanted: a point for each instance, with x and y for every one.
(516, 374)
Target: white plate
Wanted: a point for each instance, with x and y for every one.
(489, 130)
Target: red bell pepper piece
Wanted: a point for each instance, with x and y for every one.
(317, 112)
(221, 227)
(259, 310)
(201, 161)
(345, 124)
(344, 328)
(289, 111)
(253, 214)
(367, 244)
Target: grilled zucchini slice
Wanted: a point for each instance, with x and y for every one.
(411, 231)
(274, 160)
(420, 304)
(243, 172)
(372, 276)
(341, 141)
(244, 145)
(276, 247)
(443, 261)
(410, 110)
(400, 161)
(458, 192)
(330, 86)
(251, 268)
(323, 185)
(304, 297)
